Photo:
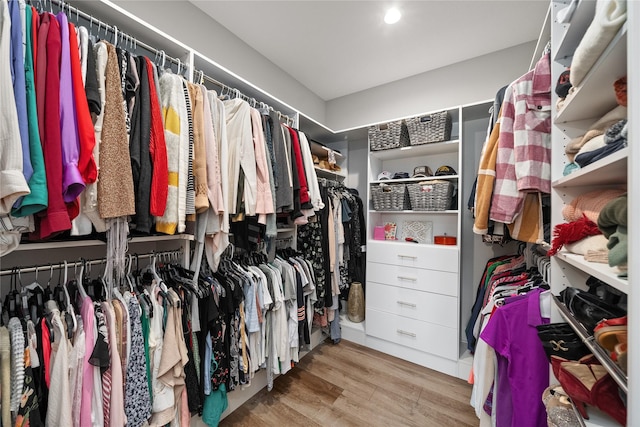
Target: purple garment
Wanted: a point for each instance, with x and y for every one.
(19, 86)
(72, 183)
(523, 368)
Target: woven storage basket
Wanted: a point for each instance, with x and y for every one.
(434, 127)
(431, 195)
(387, 136)
(390, 197)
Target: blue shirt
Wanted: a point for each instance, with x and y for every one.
(19, 86)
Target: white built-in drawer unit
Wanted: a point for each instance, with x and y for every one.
(412, 296)
(439, 282)
(416, 292)
(433, 257)
(419, 305)
(428, 337)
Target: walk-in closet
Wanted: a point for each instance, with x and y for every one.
(320, 213)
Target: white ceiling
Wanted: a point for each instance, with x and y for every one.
(337, 48)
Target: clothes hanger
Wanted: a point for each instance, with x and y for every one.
(128, 277)
(10, 300)
(156, 276)
(32, 296)
(79, 279)
(70, 315)
(115, 36)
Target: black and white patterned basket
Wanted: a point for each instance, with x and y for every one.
(387, 136)
(431, 195)
(429, 128)
(390, 197)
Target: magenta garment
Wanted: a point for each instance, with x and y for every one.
(88, 320)
(72, 182)
(523, 368)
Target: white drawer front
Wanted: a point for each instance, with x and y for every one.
(425, 306)
(423, 336)
(437, 281)
(442, 258)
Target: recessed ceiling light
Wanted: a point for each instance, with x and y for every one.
(392, 16)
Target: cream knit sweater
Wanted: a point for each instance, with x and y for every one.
(176, 133)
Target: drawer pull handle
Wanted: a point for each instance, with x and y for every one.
(409, 334)
(407, 256)
(408, 304)
(411, 279)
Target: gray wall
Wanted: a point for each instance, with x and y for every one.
(214, 41)
(357, 173)
(466, 82)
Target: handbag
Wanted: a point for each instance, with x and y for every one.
(559, 339)
(587, 308)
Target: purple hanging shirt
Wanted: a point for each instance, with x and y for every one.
(523, 368)
(72, 183)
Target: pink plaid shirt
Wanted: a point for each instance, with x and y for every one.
(523, 164)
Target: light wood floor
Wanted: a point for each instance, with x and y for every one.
(350, 385)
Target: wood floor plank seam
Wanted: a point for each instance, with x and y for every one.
(349, 385)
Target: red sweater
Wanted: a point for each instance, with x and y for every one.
(86, 135)
(158, 151)
(304, 188)
(55, 218)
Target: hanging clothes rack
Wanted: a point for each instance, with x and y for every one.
(160, 55)
(283, 242)
(326, 182)
(72, 11)
(201, 77)
(85, 262)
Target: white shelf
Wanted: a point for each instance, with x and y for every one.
(417, 150)
(595, 96)
(417, 245)
(447, 212)
(580, 21)
(88, 243)
(600, 271)
(410, 180)
(322, 151)
(286, 229)
(597, 418)
(610, 170)
(323, 173)
(346, 323)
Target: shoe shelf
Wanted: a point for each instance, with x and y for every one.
(597, 418)
(614, 370)
(324, 173)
